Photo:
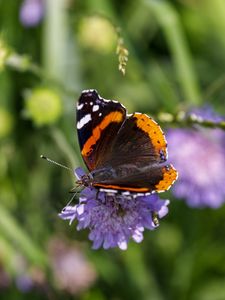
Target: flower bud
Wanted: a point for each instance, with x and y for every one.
(43, 106)
(97, 33)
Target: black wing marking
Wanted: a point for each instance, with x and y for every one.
(98, 121)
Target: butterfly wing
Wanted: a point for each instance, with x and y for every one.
(98, 121)
(139, 180)
(140, 140)
(137, 158)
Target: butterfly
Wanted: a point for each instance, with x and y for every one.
(123, 152)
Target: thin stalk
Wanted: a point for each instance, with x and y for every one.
(142, 277)
(14, 232)
(180, 119)
(65, 147)
(168, 19)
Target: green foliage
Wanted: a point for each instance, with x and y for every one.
(176, 60)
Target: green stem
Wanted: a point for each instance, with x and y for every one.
(65, 147)
(7, 252)
(60, 52)
(54, 38)
(183, 120)
(168, 19)
(13, 231)
(142, 277)
(22, 63)
(214, 87)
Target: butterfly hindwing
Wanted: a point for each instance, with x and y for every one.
(139, 180)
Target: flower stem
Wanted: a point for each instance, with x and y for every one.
(13, 231)
(22, 63)
(184, 120)
(65, 147)
(168, 19)
(142, 277)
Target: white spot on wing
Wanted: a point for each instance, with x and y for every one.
(109, 191)
(88, 91)
(83, 121)
(80, 106)
(126, 193)
(95, 108)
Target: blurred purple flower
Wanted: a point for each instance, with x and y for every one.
(115, 218)
(71, 269)
(5, 280)
(206, 113)
(199, 157)
(31, 12)
(24, 283)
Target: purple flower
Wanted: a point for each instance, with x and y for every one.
(5, 281)
(206, 113)
(115, 218)
(31, 12)
(199, 157)
(72, 271)
(24, 283)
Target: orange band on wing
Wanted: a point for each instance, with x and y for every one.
(154, 132)
(115, 116)
(169, 176)
(117, 187)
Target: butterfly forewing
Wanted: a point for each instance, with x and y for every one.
(98, 121)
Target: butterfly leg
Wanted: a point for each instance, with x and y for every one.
(97, 194)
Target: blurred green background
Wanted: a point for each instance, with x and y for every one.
(50, 51)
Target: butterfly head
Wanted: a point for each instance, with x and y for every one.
(85, 180)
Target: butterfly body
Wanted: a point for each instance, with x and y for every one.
(122, 152)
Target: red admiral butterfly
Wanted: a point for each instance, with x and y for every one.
(122, 152)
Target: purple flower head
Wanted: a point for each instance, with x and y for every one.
(206, 113)
(24, 283)
(72, 271)
(31, 12)
(199, 157)
(114, 218)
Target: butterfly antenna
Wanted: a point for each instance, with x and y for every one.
(74, 195)
(56, 163)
